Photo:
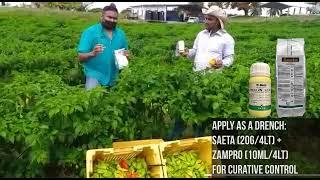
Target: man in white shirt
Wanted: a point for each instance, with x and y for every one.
(212, 43)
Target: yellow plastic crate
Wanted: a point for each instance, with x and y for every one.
(202, 145)
(126, 144)
(149, 152)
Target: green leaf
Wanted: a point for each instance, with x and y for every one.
(44, 127)
(114, 124)
(3, 134)
(215, 105)
(30, 140)
(52, 112)
(65, 111)
(78, 108)
(11, 138)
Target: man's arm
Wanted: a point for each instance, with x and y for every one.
(85, 56)
(192, 52)
(228, 61)
(228, 53)
(84, 49)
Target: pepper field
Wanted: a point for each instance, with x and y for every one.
(48, 121)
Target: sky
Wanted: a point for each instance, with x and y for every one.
(120, 5)
(123, 5)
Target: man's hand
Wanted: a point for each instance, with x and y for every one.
(218, 64)
(97, 49)
(184, 53)
(126, 53)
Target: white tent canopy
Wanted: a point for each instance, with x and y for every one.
(297, 4)
(292, 8)
(293, 4)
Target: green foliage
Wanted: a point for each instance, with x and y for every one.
(64, 5)
(48, 121)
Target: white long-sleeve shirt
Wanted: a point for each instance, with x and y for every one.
(218, 45)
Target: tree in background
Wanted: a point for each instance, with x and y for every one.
(315, 9)
(274, 12)
(95, 10)
(78, 6)
(256, 9)
(245, 6)
(223, 5)
(64, 5)
(193, 9)
(127, 14)
(84, 6)
(199, 4)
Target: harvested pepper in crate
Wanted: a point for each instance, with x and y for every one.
(186, 164)
(132, 168)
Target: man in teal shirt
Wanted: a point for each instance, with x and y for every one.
(97, 46)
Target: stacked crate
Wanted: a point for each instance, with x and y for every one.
(154, 151)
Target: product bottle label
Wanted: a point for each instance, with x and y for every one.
(260, 96)
(290, 84)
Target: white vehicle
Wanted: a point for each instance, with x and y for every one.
(193, 20)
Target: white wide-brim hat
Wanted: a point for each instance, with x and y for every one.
(217, 12)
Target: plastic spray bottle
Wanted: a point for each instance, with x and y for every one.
(260, 90)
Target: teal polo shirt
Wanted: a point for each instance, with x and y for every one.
(102, 67)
